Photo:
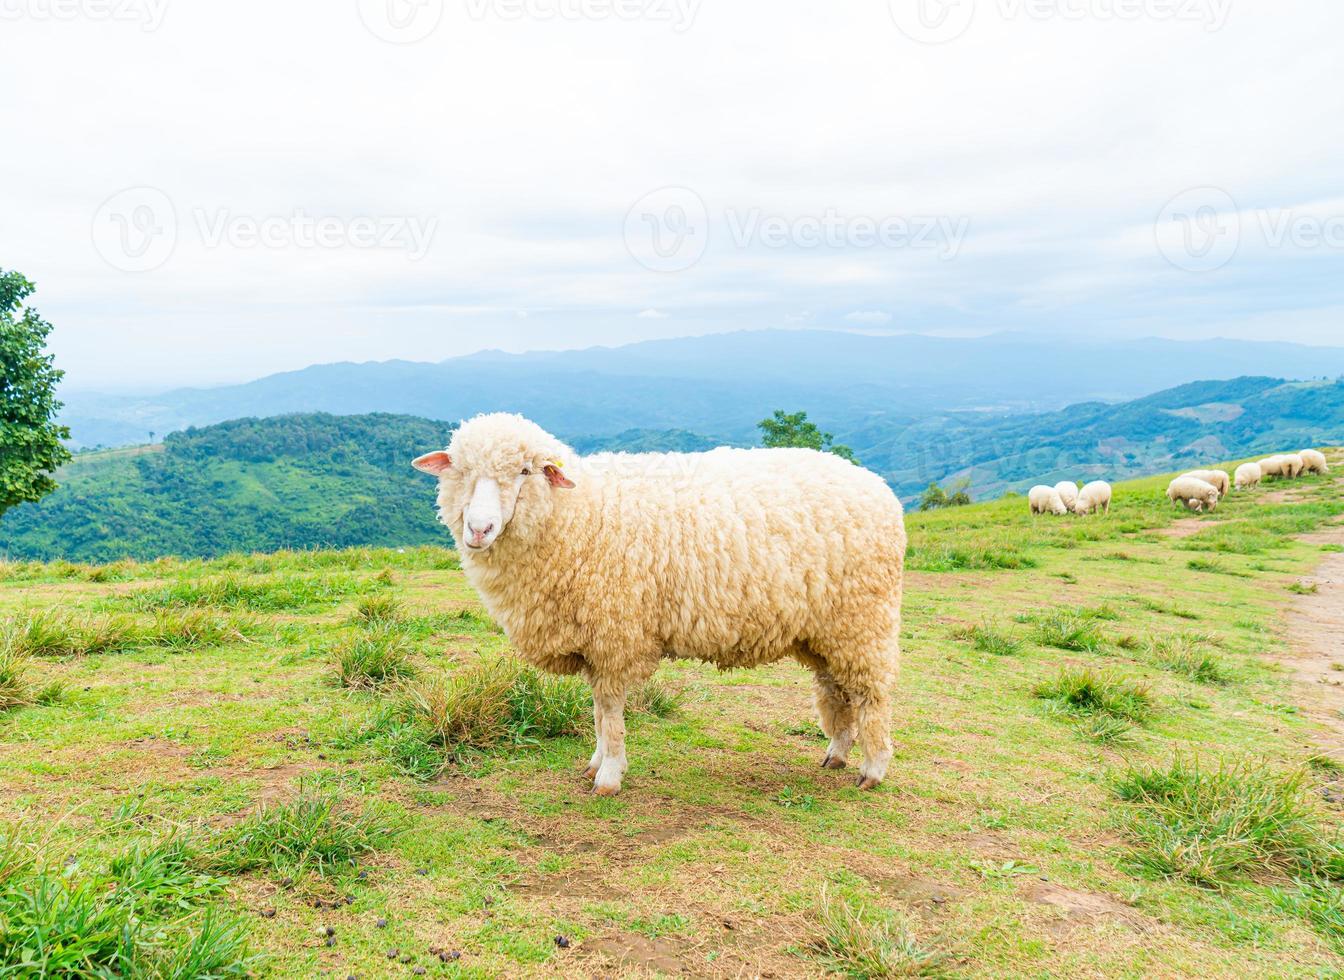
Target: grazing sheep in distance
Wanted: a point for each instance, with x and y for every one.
(1271, 466)
(1314, 462)
(1248, 475)
(1293, 465)
(1046, 500)
(1093, 497)
(1192, 492)
(1068, 492)
(1218, 478)
(603, 565)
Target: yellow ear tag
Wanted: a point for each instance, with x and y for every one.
(556, 463)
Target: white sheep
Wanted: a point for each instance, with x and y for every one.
(1068, 492)
(1218, 478)
(1314, 462)
(1293, 464)
(1271, 466)
(1046, 500)
(1093, 497)
(1194, 493)
(604, 565)
(1248, 475)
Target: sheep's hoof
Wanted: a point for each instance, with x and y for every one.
(601, 790)
(833, 762)
(590, 772)
(867, 782)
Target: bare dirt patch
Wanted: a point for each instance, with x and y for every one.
(1316, 651)
(1185, 527)
(629, 950)
(1076, 908)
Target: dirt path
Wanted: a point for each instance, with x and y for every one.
(1315, 652)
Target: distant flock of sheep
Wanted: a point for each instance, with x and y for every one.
(1202, 489)
(1065, 497)
(1198, 490)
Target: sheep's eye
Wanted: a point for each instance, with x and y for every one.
(526, 471)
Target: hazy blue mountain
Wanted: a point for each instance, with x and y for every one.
(719, 385)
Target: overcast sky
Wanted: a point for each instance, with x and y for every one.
(208, 191)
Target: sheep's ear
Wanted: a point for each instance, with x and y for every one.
(555, 478)
(433, 463)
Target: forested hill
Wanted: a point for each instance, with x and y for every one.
(315, 480)
(292, 481)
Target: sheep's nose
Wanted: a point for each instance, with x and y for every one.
(478, 534)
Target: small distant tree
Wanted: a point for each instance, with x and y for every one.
(30, 439)
(935, 497)
(785, 430)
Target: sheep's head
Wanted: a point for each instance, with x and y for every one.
(1057, 505)
(1211, 498)
(498, 474)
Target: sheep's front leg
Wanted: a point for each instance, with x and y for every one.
(609, 707)
(596, 761)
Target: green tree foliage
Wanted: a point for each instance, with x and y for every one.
(935, 497)
(30, 439)
(785, 430)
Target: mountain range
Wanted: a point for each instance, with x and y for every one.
(719, 385)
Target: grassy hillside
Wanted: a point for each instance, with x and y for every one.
(321, 759)
(1197, 423)
(303, 481)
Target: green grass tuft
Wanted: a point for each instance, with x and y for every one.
(1086, 692)
(1211, 826)
(317, 831)
(1185, 656)
(858, 943)
(989, 639)
(375, 609)
(1066, 630)
(373, 657)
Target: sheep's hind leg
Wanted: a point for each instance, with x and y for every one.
(609, 699)
(874, 709)
(837, 720)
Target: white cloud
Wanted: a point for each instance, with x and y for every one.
(651, 314)
(869, 318)
(266, 109)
